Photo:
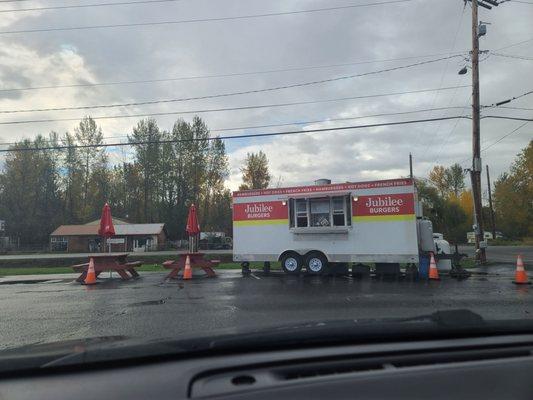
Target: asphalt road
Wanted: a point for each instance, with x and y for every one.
(59, 309)
(502, 254)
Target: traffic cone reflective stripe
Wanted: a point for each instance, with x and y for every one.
(520, 275)
(187, 273)
(433, 271)
(90, 279)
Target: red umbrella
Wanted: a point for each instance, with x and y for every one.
(106, 223)
(193, 227)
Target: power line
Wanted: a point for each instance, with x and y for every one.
(506, 135)
(255, 135)
(199, 20)
(508, 118)
(120, 3)
(213, 96)
(226, 75)
(514, 44)
(516, 108)
(508, 100)
(527, 121)
(302, 122)
(201, 111)
(512, 56)
(454, 41)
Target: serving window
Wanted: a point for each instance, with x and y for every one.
(320, 212)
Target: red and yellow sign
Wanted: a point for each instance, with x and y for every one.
(260, 213)
(387, 207)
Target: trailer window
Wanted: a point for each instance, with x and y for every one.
(339, 211)
(301, 213)
(320, 212)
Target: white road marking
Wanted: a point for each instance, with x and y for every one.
(256, 277)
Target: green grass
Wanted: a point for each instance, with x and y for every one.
(468, 263)
(35, 271)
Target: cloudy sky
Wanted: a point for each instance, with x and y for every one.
(313, 46)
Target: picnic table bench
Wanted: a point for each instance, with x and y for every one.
(109, 262)
(197, 260)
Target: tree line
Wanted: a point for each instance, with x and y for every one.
(155, 182)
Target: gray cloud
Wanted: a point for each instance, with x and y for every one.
(400, 30)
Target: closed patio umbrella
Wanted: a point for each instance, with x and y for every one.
(106, 229)
(192, 229)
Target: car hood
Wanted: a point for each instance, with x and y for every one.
(104, 349)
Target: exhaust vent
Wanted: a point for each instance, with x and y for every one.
(323, 181)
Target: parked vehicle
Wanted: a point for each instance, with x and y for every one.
(215, 241)
(471, 236)
(311, 226)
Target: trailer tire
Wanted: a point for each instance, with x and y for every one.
(291, 263)
(315, 263)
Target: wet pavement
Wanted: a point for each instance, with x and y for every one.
(41, 309)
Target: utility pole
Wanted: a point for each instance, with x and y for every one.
(490, 205)
(476, 146)
(410, 166)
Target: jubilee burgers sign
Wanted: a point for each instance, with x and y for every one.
(391, 204)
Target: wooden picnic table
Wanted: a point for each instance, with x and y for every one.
(109, 262)
(197, 260)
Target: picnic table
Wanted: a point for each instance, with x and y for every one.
(109, 262)
(197, 260)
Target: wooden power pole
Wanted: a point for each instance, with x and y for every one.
(476, 146)
(490, 205)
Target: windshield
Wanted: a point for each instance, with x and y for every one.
(181, 169)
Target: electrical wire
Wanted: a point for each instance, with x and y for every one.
(506, 135)
(201, 20)
(201, 111)
(454, 41)
(214, 96)
(248, 127)
(514, 44)
(499, 103)
(269, 71)
(512, 56)
(120, 3)
(251, 135)
(254, 135)
(526, 121)
(516, 108)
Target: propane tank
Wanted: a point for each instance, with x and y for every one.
(442, 246)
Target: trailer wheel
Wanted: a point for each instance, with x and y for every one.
(316, 263)
(291, 263)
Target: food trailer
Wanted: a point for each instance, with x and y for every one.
(312, 226)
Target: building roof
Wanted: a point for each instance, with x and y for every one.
(116, 221)
(120, 230)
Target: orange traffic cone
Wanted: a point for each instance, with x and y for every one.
(433, 271)
(187, 272)
(520, 275)
(90, 279)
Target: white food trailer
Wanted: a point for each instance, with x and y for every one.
(311, 226)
